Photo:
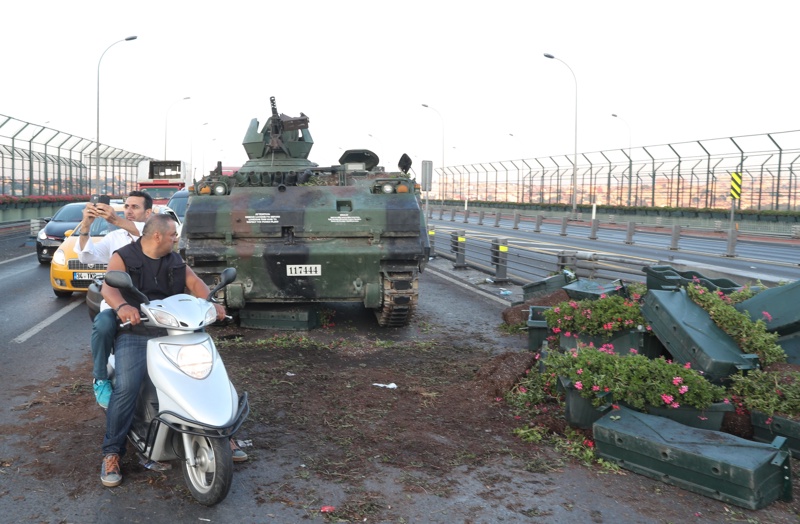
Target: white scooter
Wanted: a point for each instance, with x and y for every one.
(187, 408)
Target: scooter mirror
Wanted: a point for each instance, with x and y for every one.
(118, 279)
(228, 275)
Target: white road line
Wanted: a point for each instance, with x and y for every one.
(44, 323)
(18, 258)
(468, 287)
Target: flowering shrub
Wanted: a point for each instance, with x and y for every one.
(751, 336)
(43, 199)
(769, 392)
(600, 317)
(633, 379)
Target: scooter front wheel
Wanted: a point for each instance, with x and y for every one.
(210, 478)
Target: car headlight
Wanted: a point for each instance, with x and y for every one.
(195, 360)
(387, 188)
(42, 235)
(60, 259)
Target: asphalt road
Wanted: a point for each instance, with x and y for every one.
(41, 334)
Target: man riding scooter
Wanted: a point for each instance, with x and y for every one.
(158, 272)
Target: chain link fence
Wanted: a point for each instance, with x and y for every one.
(695, 174)
(38, 160)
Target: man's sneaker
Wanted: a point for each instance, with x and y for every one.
(109, 472)
(237, 453)
(102, 392)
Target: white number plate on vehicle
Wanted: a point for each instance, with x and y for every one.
(86, 276)
(304, 270)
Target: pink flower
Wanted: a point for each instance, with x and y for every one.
(523, 389)
(579, 385)
(556, 330)
(683, 389)
(727, 401)
(602, 295)
(580, 371)
(595, 388)
(498, 399)
(556, 310)
(677, 380)
(667, 398)
(688, 365)
(634, 351)
(567, 334)
(767, 316)
(674, 405)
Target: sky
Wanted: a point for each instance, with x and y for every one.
(360, 70)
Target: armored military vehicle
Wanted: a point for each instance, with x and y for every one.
(298, 233)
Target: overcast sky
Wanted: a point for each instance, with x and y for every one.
(673, 71)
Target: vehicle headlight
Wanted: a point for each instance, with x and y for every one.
(211, 315)
(195, 360)
(42, 235)
(163, 318)
(387, 188)
(60, 258)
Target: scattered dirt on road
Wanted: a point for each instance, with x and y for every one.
(332, 389)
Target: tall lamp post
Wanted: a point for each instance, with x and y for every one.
(630, 160)
(97, 148)
(575, 156)
(442, 119)
(166, 120)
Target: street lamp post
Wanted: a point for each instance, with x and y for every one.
(166, 120)
(442, 119)
(97, 148)
(630, 160)
(575, 156)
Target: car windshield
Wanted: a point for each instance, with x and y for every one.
(178, 204)
(101, 228)
(69, 214)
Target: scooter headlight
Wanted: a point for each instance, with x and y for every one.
(211, 315)
(163, 318)
(195, 360)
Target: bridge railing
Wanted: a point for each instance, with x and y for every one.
(695, 174)
(38, 160)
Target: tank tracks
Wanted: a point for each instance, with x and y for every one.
(400, 294)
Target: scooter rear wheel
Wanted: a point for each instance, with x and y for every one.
(210, 479)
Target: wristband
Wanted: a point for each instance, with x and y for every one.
(121, 306)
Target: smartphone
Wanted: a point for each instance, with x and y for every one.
(102, 199)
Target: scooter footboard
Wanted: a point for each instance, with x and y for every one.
(193, 427)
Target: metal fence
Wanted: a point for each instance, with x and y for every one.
(695, 174)
(38, 160)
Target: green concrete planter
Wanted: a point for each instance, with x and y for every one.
(766, 428)
(709, 418)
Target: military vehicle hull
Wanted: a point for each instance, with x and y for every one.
(300, 233)
(305, 244)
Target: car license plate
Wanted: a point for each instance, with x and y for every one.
(86, 276)
(304, 270)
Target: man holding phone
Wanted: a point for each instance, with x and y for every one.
(138, 207)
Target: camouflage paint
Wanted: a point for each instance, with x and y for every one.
(277, 211)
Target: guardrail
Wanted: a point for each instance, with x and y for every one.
(525, 265)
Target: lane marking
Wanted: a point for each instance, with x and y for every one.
(459, 283)
(18, 258)
(46, 322)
